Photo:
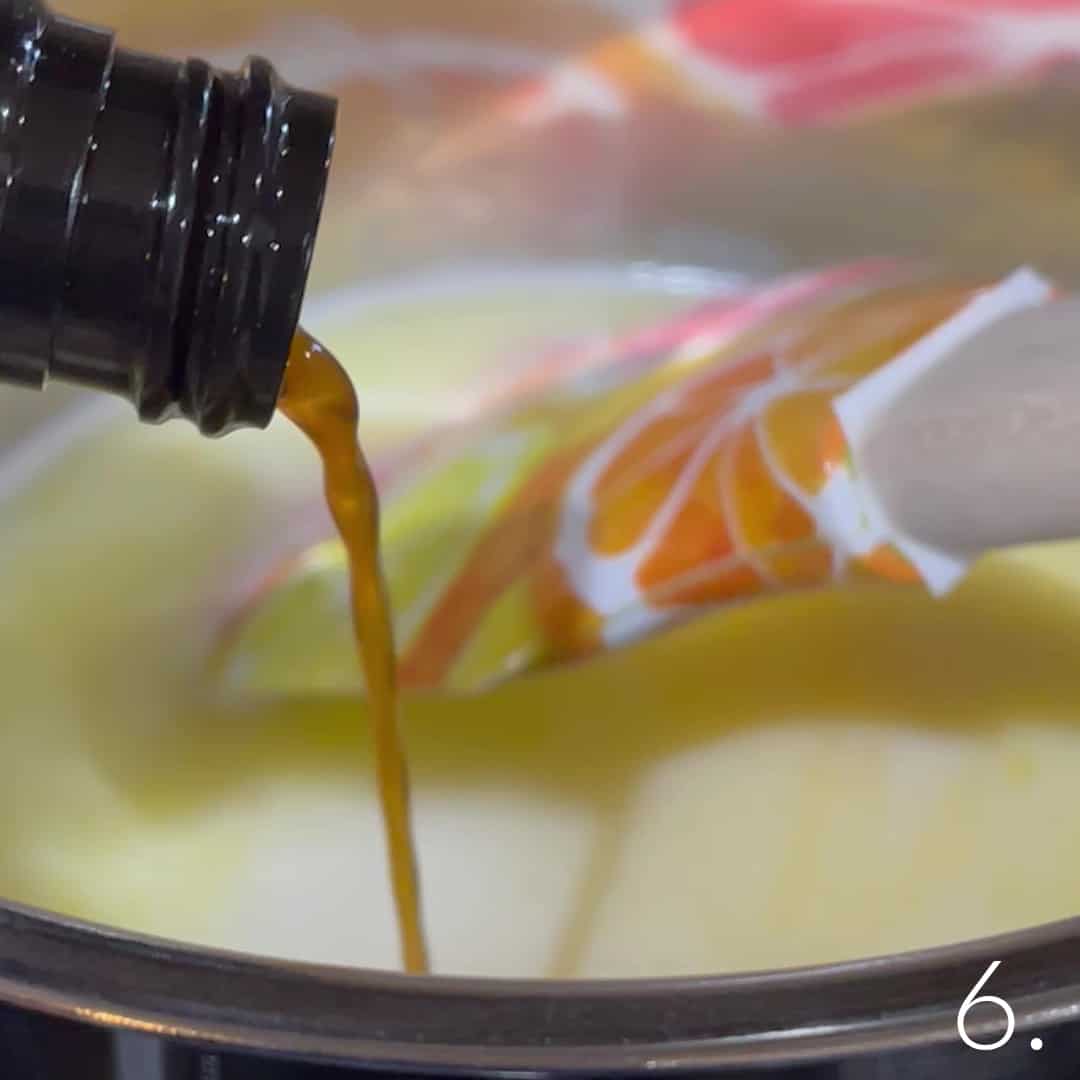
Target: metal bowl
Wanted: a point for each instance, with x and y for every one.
(84, 1000)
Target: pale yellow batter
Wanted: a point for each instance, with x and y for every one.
(794, 781)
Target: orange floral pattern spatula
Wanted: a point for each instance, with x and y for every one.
(698, 465)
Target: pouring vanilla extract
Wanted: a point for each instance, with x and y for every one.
(155, 237)
(156, 232)
(318, 397)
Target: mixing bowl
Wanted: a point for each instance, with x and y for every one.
(431, 171)
(93, 1002)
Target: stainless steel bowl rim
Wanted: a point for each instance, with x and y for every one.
(97, 975)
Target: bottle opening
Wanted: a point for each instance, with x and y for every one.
(157, 221)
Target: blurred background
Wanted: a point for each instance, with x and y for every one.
(762, 133)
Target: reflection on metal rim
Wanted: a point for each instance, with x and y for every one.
(103, 977)
(487, 276)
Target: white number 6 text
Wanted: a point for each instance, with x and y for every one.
(986, 999)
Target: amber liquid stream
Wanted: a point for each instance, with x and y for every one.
(318, 397)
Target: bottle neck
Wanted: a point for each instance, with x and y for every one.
(157, 221)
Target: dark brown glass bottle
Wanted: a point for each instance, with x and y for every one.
(157, 220)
